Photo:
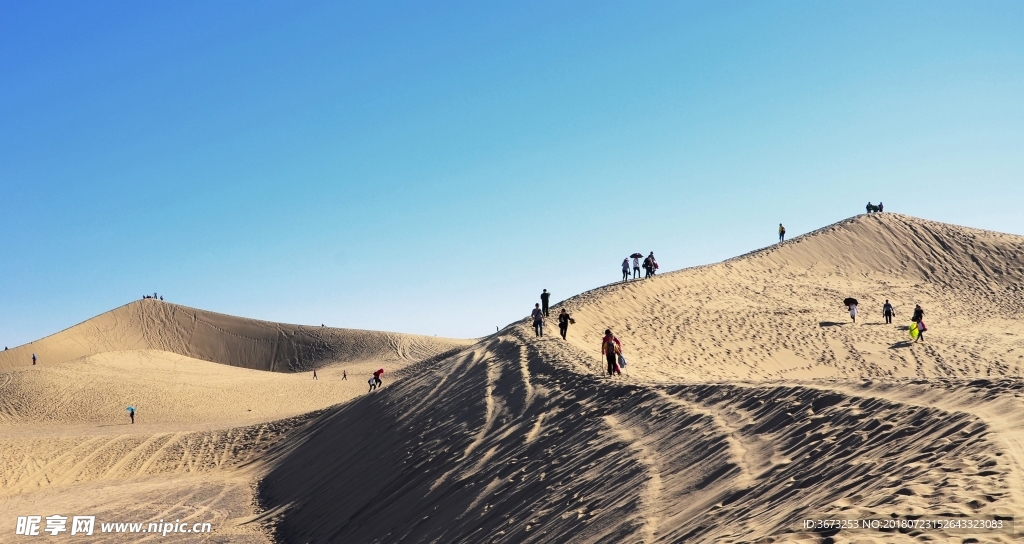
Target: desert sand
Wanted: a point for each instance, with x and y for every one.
(751, 402)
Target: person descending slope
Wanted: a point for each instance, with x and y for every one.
(563, 322)
(887, 312)
(538, 320)
(782, 233)
(853, 312)
(611, 348)
(33, 358)
(625, 269)
(544, 297)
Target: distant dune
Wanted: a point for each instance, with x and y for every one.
(751, 403)
(248, 343)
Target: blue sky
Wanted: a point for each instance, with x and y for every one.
(430, 167)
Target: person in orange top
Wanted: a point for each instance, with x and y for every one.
(611, 348)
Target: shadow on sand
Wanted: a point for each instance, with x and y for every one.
(901, 344)
(830, 324)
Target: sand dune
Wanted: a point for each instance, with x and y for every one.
(777, 313)
(750, 404)
(248, 343)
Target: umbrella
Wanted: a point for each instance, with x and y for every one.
(636, 256)
(849, 301)
(130, 408)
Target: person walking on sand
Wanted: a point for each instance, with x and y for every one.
(782, 233)
(887, 312)
(563, 322)
(33, 358)
(853, 312)
(344, 375)
(538, 320)
(611, 348)
(131, 414)
(314, 374)
(653, 269)
(544, 297)
(636, 266)
(919, 319)
(625, 269)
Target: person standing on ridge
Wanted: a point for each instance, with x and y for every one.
(869, 207)
(611, 348)
(563, 322)
(625, 269)
(636, 266)
(544, 297)
(654, 264)
(782, 233)
(880, 207)
(538, 320)
(887, 312)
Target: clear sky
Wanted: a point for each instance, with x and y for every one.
(429, 167)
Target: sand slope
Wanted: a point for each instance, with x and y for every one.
(203, 429)
(236, 341)
(777, 313)
(745, 410)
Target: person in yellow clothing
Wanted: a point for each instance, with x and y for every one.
(782, 233)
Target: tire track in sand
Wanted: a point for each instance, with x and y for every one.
(650, 496)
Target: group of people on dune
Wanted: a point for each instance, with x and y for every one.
(611, 347)
(650, 265)
(875, 209)
(540, 311)
(917, 326)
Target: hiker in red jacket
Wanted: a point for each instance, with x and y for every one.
(377, 375)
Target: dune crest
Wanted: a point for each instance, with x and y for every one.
(248, 343)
